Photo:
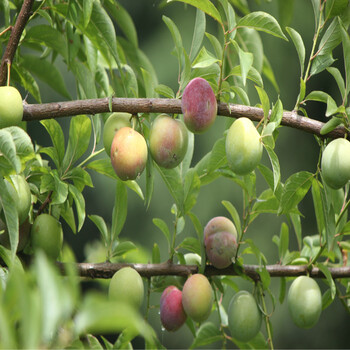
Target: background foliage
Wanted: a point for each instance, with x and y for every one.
(92, 49)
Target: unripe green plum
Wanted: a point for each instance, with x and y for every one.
(172, 313)
(193, 259)
(115, 121)
(47, 235)
(197, 297)
(304, 302)
(243, 146)
(335, 163)
(198, 105)
(19, 190)
(128, 153)
(220, 240)
(11, 106)
(244, 316)
(168, 141)
(126, 285)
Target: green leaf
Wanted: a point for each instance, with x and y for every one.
(79, 139)
(262, 21)
(234, 215)
(339, 80)
(329, 279)
(204, 5)
(198, 33)
(346, 52)
(103, 166)
(120, 209)
(87, 10)
(285, 12)
(277, 113)
(11, 215)
(253, 75)
(331, 107)
(191, 187)
(215, 43)
(317, 200)
(164, 228)
(149, 180)
(331, 125)
(295, 189)
(123, 248)
(282, 293)
(79, 204)
(275, 167)
(175, 33)
(46, 72)
(102, 227)
(8, 149)
(230, 18)
(204, 59)
(155, 254)
(284, 240)
(207, 333)
(299, 45)
(192, 244)
(57, 137)
(265, 102)
(165, 91)
(245, 60)
(269, 74)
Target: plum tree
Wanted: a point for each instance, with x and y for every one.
(128, 153)
(19, 190)
(172, 314)
(47, 235)
(115, 121)
(11, 106)
(220, 240)
(126, 285)
(335, 163)
(199, 105)
(197, 297)
(243, 146)
(244, 316)
(304, 302)
(168, 141)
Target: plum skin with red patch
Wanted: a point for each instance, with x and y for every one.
(198, 105)
(172, 314)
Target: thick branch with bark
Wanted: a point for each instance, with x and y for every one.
(107, 270)
(164, 105)
(15, 36)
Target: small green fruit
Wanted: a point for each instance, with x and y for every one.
(243, 146)
(47, 235)
(244, 317)
(304, 302)
(114, 122)
(335, 163)
(126, 285)
(11, 106)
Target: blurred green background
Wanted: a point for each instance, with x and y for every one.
(296, 150)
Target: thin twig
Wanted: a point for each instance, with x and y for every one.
(14, 39)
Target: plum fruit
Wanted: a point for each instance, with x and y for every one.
(244, 316)
(220, 240)
(304, 302)
(243, 146)
(172, 314)
(114, 122)
(126, 285)
(168, 141)
(197, 297)
(198, 105)
(47, 235)
(11, 106)
(128, 153)
(335, 163)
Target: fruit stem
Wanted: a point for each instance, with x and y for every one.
(267, 318)
(8, 73)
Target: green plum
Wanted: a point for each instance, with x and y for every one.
(11, 106)
(126, 285)
(335, 163)
(243, 146)
(304, 302)
(244, 316)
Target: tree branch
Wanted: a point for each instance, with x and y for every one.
(107, 270)
(163, 105)
(15, 36)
